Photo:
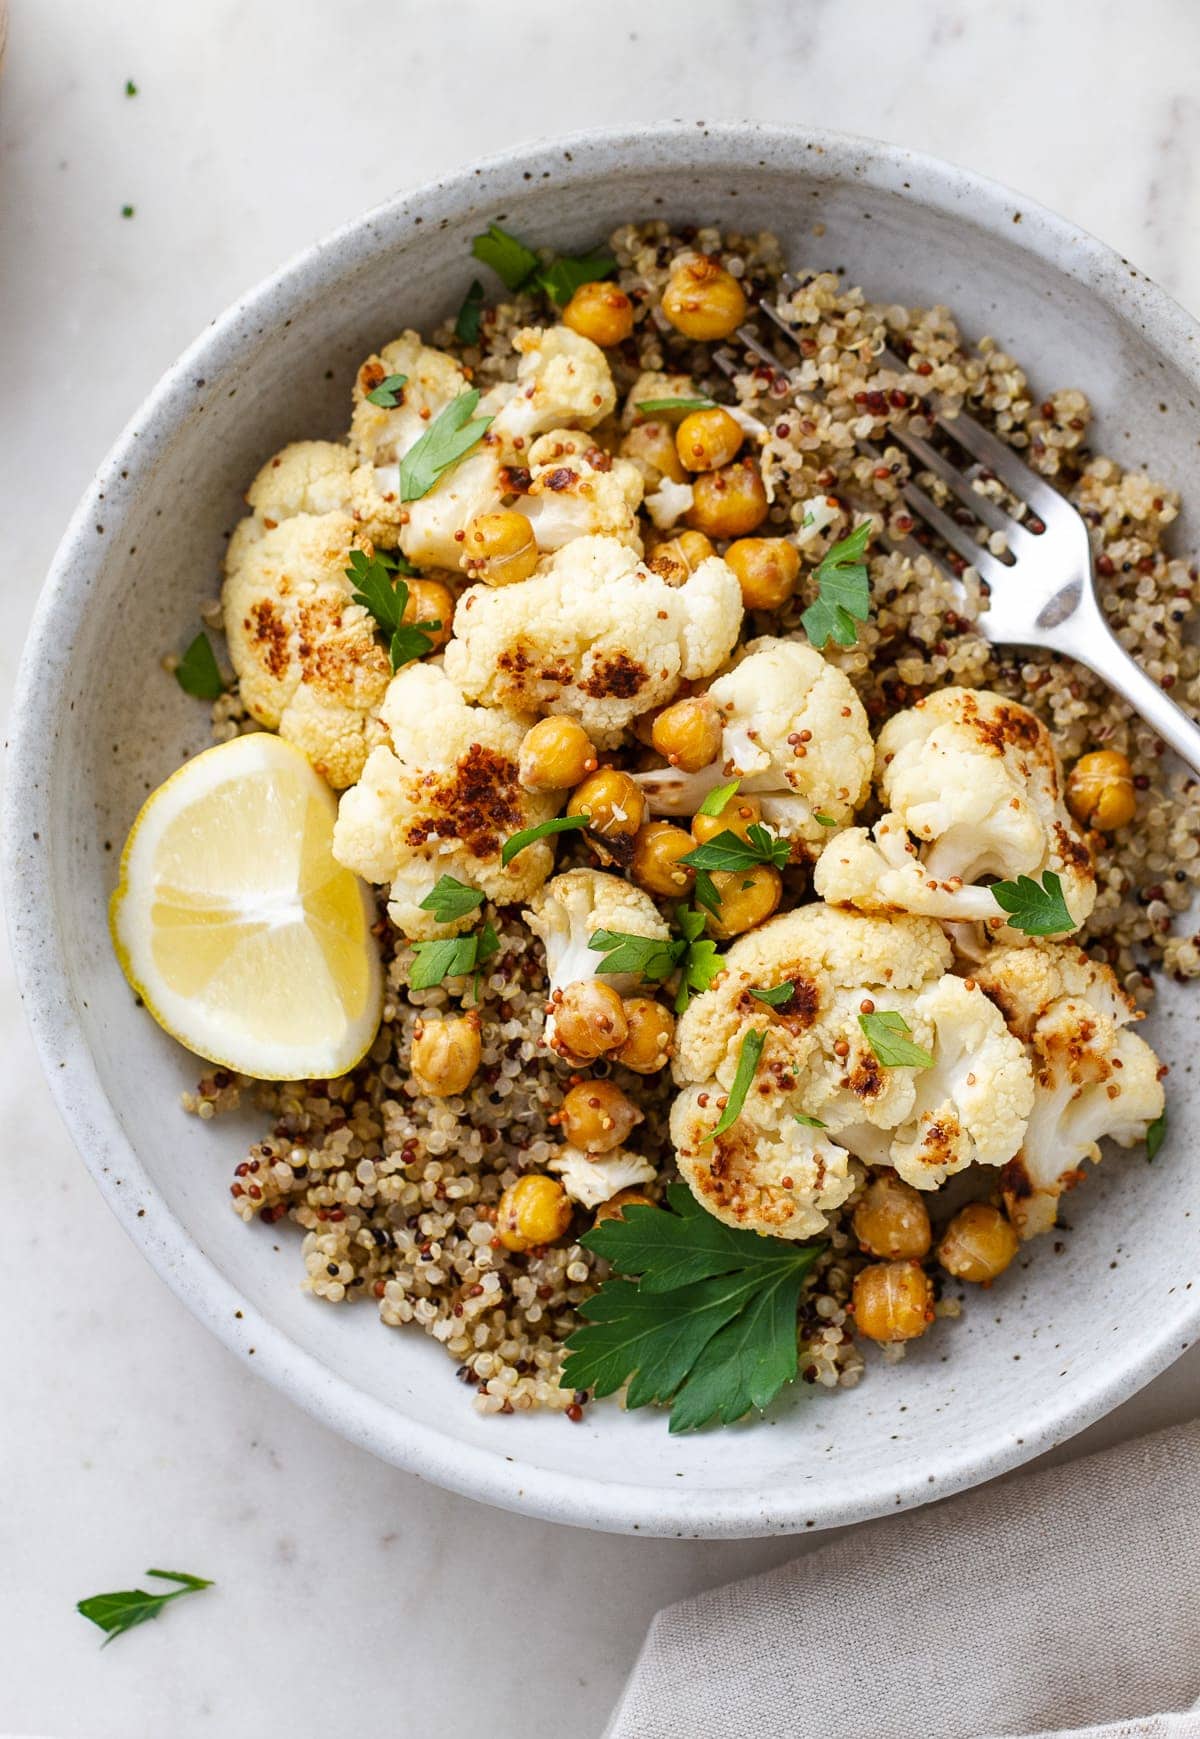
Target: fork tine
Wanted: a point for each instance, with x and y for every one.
(957, 536)
(959, 485)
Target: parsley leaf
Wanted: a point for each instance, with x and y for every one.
(131, 90)
(809, 1122)
(512, 262)
(452, 957)
(649, 406)
(411, 642)
(1156, 1134)
(197, 672)
(449, 437)
(561, 279)
(649, 956)
(716, 800)
(776, 997)
(518, 841)
(387, 600)
(450, 899)
(729, 851)
(387, 394)
(119, 1612)
(823, 820)
(470, 315)
(888, 1034)
(1036, 909)
(751, 1051)
(702, 961)
(710, 1327)
(843, 592)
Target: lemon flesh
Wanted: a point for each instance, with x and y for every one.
(245, 939)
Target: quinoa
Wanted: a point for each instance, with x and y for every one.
(395, 1192)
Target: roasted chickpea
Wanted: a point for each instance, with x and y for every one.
(499, 548)
(613, 1208)
(655, 865)
(600, 312)
(534, 1210)
(597, 1116)
(555, 754)
(708, 439)
(651, 446)
(430, 601)
(767, 569)
(978, 1244)
(747, 897)
(651, 1035)
(688, 733)
(730, 502)
(1100, 790)
(891, 1219)
(589, 1019)
(737, 816)
(677, 557)
(445, 1053)
(893, 1301)
(703, 300)
(615, 808)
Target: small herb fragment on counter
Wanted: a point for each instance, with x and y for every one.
(512, 262)
(452, 957)
(562, 278)
(709, 1326)
(751, 1051)
(518, 841)
(450, 899)
(1156, 1134)
(649, 406)
(823, 820)
(387, 600)
(449, 438)
(843, 592)
(197, 672)
(729, 851)
(131, 89)
(809, 1122)
(777, 996)
(1036, 909)
(470, 315)
(387, 394)
(127, 211)
(116, 1613)
(889, 1036)
(716, 800)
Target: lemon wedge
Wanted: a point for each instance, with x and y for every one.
(245, 939)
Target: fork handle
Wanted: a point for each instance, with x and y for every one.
(1093, 643)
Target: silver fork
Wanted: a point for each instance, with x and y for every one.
(1044, 594)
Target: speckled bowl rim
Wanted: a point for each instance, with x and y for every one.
(44, 981)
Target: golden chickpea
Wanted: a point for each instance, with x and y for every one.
(978, 1244)
(703, 300)
(600, 312)
(747, 896)
(655, 865)
(677, 557)
(499, 548)
(615, 808)
(893, 1301)
(534, 1210)
(445, 1053)
(597, 1116)
(738, 815)
(651, 1036)
(430, 601)
(728, 503)
(688, 734)
(589, 1019)
(651, 446)
(613, 1208)
(555, 754)
(707, 439)
(1100, 790)
(767, 569)
(891, 1219)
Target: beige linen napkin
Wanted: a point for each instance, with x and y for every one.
(1050, 1603)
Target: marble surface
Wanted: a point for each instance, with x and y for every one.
(350, 1594)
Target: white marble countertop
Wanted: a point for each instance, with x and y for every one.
(352, 1596)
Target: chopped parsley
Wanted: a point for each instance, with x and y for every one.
(470, 315)
(387, 599)
(131, 90)
(729, 851)
(747, 1066)
(843, 592)
(451, 899)
(197, 672)
(518, 841)
(449, 438)
(387, 394)
(519, 268)
(452, 957)
(1156, 1134)
(562, 278)
(716, 800)
(119, 1612)
(1036, 909)
(776, 996)
(808, 1122)
(513, 263)
(649, 406)
(890, 1037)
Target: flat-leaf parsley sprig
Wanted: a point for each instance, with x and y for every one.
(697, 959)
(380, 587)
(449, 438)
(519, 268)
(707, 1328)
(121, 1611)
(1036, 909)
(843, 591)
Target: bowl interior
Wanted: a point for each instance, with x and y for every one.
(1079, 1323)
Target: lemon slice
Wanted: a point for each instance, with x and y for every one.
(233, 922)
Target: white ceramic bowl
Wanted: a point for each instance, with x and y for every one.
(97, 723)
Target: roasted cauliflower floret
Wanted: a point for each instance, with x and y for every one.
(442, 800)
(563, 381)
(818, 1063)
(795, 734)
(1093, 1077)
(567, 913)
(594, 633)
(592, 1178)
(306, 477)
(306, 656)
(974, 779)
(577, 490)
